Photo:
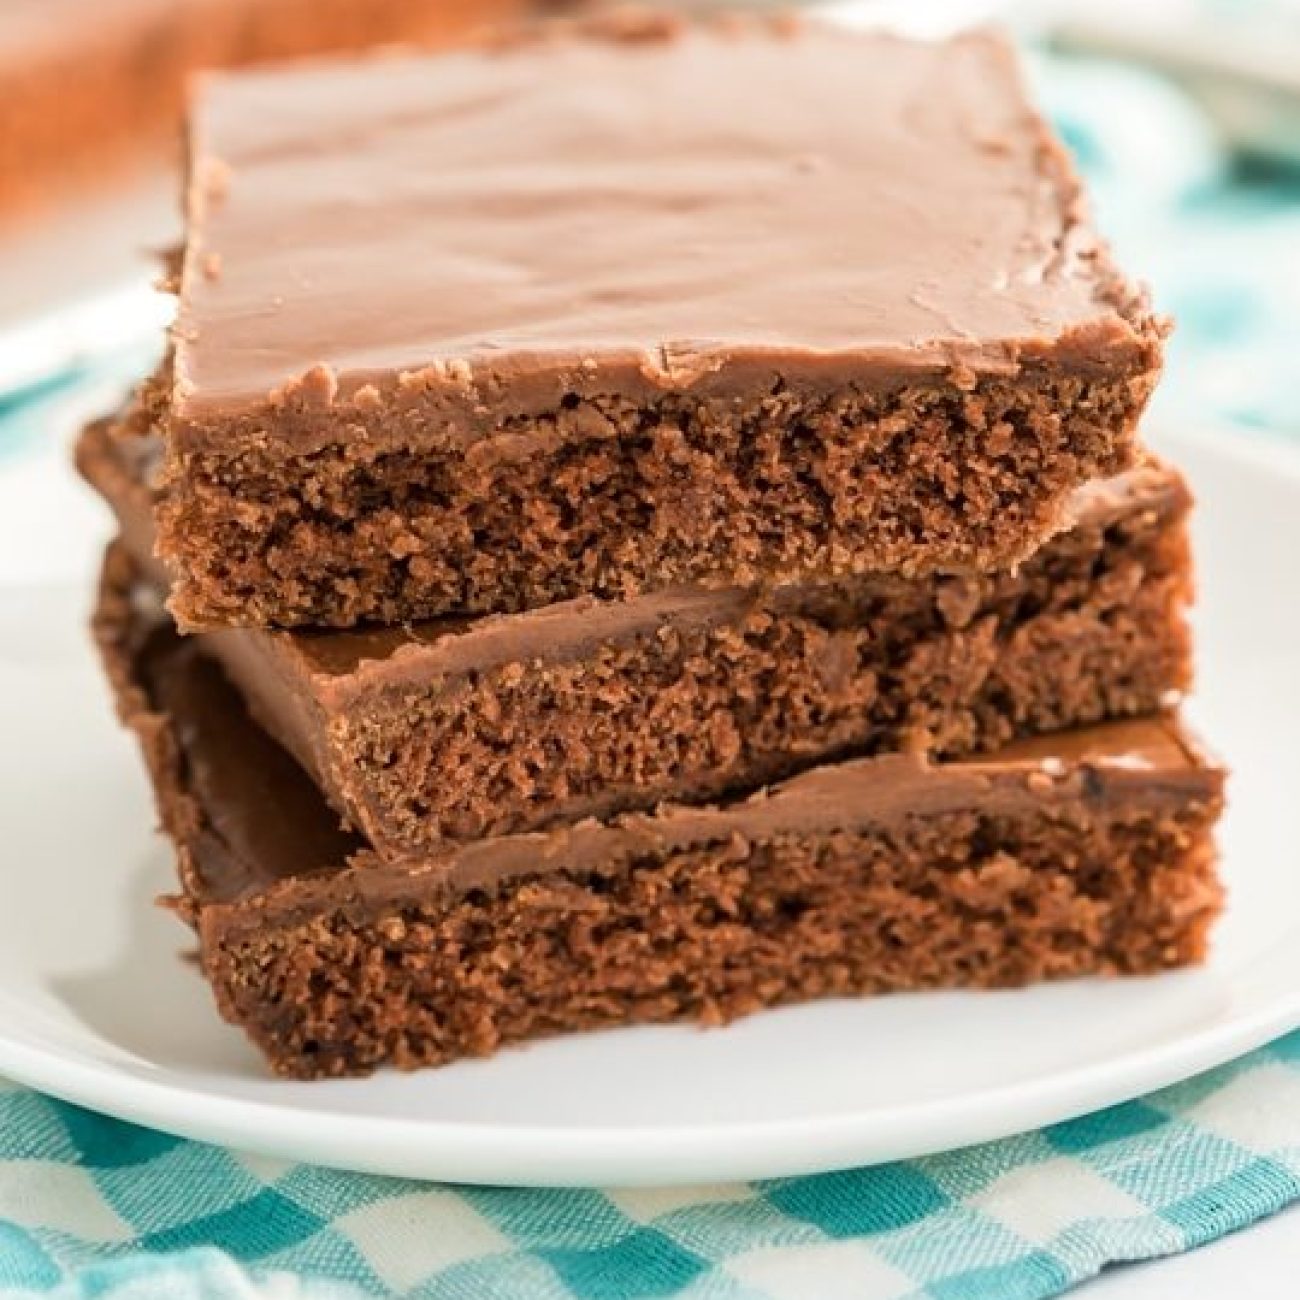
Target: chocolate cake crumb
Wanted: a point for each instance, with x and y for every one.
(884, 874)
(470, 727)
(672, 330)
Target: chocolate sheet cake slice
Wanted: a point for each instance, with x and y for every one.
(470, 727)
(628, 304)
(1087, 852)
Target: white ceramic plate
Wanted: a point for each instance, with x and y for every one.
(97, 1005)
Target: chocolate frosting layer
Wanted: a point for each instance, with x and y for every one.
(262, 839)
(334, 664)
(621, 206)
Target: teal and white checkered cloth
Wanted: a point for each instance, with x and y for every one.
(90, 1207)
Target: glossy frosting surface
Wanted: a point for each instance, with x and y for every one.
(667, 202)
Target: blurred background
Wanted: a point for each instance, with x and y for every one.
(1184, 114)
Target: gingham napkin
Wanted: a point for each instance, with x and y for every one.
(90, 1207)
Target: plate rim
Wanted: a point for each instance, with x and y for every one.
(480, 1152)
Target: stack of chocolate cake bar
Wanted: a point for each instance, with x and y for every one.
(644, 521)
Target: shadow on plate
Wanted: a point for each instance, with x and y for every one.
(150, 999)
